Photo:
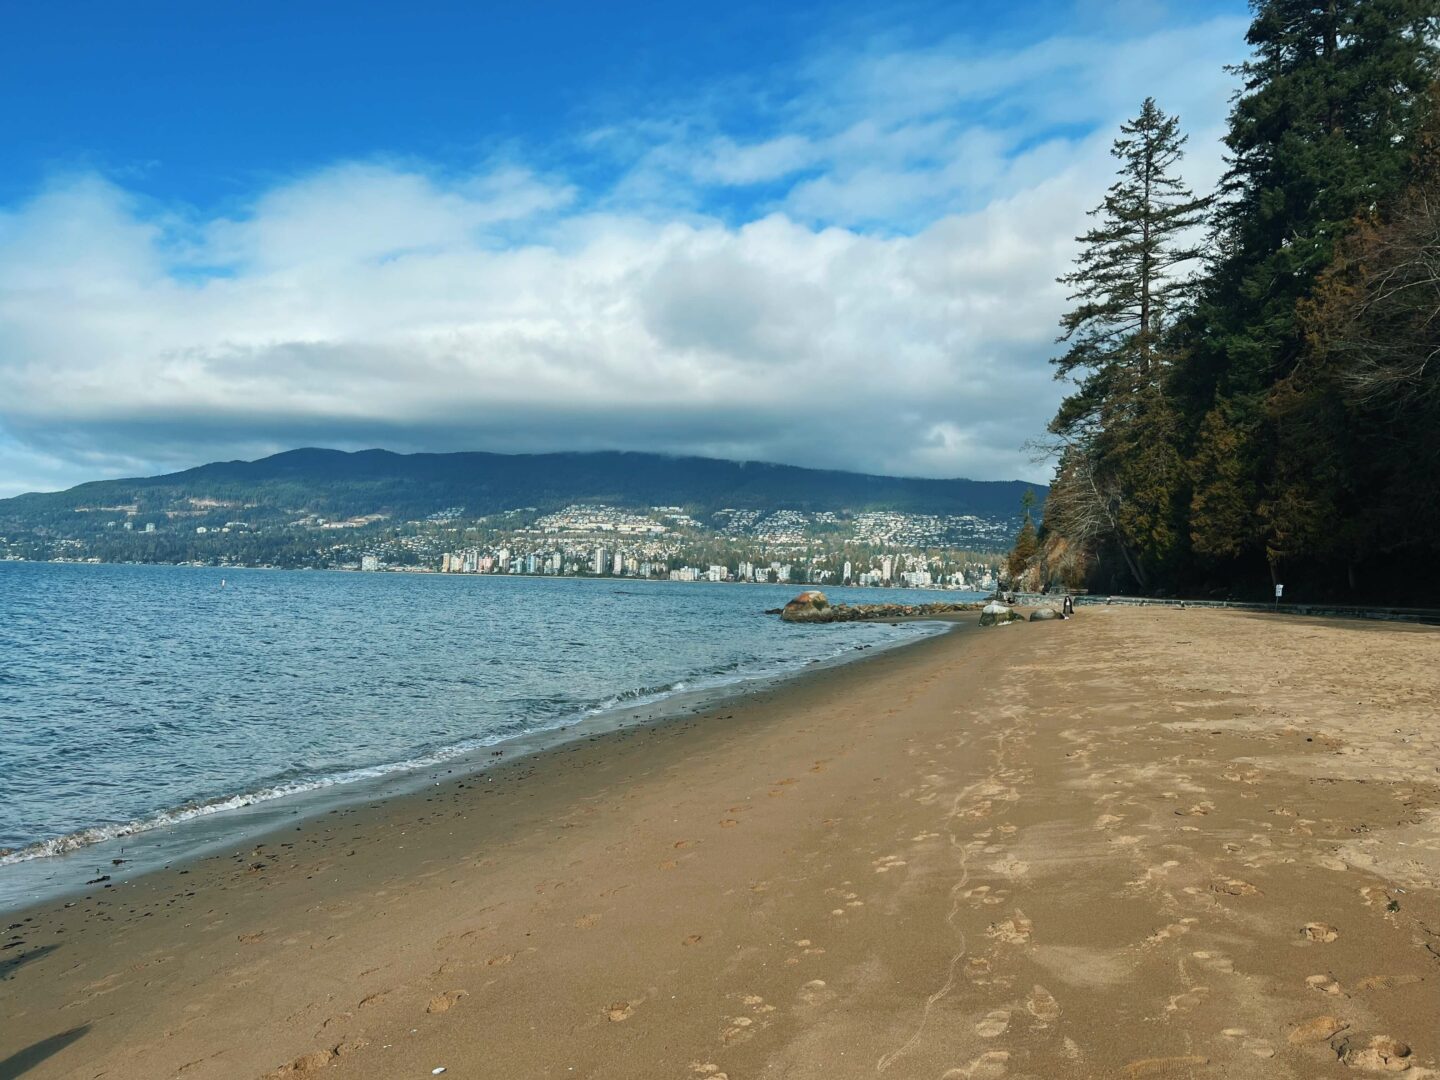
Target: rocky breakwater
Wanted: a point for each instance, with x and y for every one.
(813, 606)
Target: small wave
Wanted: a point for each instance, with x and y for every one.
(717, 679)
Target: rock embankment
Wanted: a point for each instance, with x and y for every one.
(813, 607)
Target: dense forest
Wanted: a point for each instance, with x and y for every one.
(1254, 385)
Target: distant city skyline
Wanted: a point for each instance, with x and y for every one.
(808, 235)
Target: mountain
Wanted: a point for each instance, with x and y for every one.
(336, 484)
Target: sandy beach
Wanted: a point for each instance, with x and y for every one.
(1141, 843)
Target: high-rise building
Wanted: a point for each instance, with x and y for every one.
(597, 564)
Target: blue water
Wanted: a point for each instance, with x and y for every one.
(136, 697)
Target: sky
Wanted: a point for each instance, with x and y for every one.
(819, 234)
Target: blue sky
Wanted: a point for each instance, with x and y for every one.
(817, 233)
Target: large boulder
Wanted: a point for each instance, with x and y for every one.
(1045, 614)
(807, 607)
(996, 614)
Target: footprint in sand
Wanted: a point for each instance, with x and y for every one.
(1387, 982)
(1214, 961)
(1014, 930)
(312, 1062)
(708, 1069)
(991, 1065)
(1258, 1047)
(1188, 1000)
(1379, 1053)
(619, 1010)
(984, 894)
(692, 939)
(1164, 1066)
(1173, 930)
(815, 992)
(1153, 872)
(585, 922)
(1042, 1005)
(739, 1029)
(1234, 887)
(1316, 1029)
(995, 1023)
(1326, 984)
(1321, 932)
(1010, 867)
(443, 1003)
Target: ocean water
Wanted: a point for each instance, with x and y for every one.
(136, 698)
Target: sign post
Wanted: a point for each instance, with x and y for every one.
(1279, 592)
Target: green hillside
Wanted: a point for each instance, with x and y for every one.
(335, 484)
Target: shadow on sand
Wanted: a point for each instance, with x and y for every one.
(14, 963)
(23, 1061)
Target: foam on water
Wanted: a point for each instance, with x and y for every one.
(83, 691)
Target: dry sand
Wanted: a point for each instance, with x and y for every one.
(1142, 843)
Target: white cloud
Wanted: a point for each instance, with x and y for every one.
(889, 305)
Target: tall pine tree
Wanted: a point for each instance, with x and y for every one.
(1128, 284)
(1323, 130)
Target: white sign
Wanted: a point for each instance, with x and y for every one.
(1279, 591)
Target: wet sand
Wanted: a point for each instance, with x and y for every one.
(1141, 843)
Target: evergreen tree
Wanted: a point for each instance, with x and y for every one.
(1124, 277)
(1128, 284)
(1026, 543)
(1323, 129)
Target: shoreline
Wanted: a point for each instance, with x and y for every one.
(1139, 843)
(177, 836)
(892, 587)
